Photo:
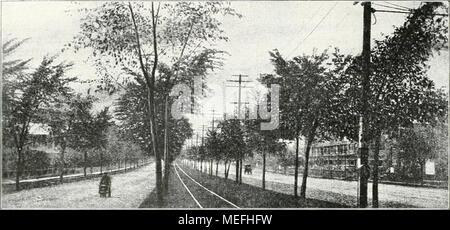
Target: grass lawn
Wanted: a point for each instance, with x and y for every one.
(248, 196)
(243, 195)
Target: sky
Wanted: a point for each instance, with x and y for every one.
(292, 27)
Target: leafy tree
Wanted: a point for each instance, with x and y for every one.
(232, 135)
(285, 159)
(131, 111)
(420, 143)
(400, 91)
(136, 37)
(214, 147)
(82, 136)
(13, 78)
(25, 104)
(15, 67)
(307, 97)
(263, 141)
(64, 116)
(61, 116)
(99, 129)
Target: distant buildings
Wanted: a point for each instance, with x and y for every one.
(41, 139)
(339, 159)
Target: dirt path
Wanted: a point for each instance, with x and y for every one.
(128, 191)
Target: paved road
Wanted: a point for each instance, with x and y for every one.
(128, 191)
(345, 191)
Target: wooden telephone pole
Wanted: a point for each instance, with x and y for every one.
(239, 81)
(240, 116)
(363, 120)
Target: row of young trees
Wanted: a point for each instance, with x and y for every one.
(28, 97)
(43, 97)
(320, 96)
(233, 141)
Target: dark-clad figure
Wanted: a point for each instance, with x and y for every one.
(248, 169)
(105, 186)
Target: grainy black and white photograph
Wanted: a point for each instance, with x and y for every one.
(224, 105)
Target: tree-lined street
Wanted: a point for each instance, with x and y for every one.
(344, 192)
(350, 98)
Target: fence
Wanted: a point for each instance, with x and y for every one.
(9, 185)
(55, 171)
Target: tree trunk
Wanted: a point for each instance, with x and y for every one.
(296, 167)
(85, 163)
(240, 171)
(228, 169)
(375, 170)
(211, 167)
(422, 171)
(308, 149)
(225, 170)
(166, 148)
(264, 171)
(217, 168)
(150, 83)
(18, 167)
(62, 163)
(101, 162)
(237, 170)
(305, 170)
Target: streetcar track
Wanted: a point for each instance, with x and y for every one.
(189, 191)
(211, 192)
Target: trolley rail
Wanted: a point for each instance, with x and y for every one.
(197, 187)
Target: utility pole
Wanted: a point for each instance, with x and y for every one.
(224, 103)
(196, 143)
(203, 130)
(239, 81)
(166, 146)
(363, 120)
(236, 113)
(202, 147)
(239, 117)
(213, 119)
(213, 115)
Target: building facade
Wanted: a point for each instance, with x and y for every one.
(338, 159)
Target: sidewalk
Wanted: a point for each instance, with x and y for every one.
(9, 185)
(128, 191)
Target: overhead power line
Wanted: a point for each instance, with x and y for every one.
(315, 27)
(311, 17)
(404, 12)
(391, 7)
(393, 4)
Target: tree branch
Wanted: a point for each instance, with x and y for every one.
(141, 62)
